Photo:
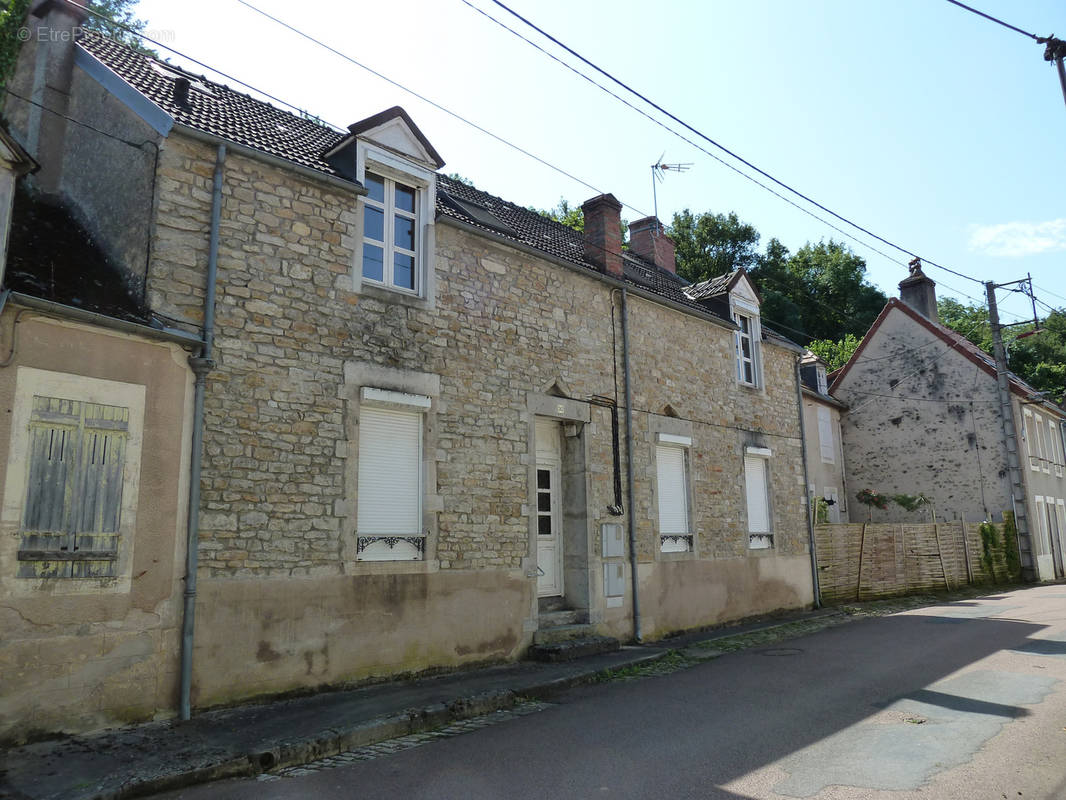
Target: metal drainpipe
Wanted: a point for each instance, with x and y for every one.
(806, 490)
(638, 635)
(201, 365)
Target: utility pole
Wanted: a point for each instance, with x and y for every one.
(1010, 437)
(1056, 51)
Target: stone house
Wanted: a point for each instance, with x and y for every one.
(924, 417)
(421, 426)
(823, 443)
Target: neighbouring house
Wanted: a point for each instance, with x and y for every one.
(826, 473)
(435, 425)
(924, 418)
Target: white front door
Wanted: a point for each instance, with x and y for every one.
(549, 511)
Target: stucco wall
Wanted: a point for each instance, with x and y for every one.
(922, 418)
(80, 654)
(820, 473)
(506, 333)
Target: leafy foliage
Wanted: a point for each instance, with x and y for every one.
(910, 502)
(989, 542)
(709, 245)
(835, 354)
(1039, 359)
(117, 16)
(872, 500)
(11, 20)
(1010, 546)
(573, 217)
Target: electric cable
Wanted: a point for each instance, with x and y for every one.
(993, 19)
(722, 147)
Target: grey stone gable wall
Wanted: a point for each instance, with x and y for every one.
(937, 431)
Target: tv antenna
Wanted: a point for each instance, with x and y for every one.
(658, 170)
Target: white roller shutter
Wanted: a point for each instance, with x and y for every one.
(673, 491)
(825, 435)
(755, 482)
(390, 473)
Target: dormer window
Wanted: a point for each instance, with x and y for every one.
(823, 384)
(394, 252)
(390, 233)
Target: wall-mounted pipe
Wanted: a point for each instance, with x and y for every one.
(201, 365)
(807, 492)
(638, 634)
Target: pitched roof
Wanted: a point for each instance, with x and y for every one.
(720, 285)
(217, 109)
(220, 111)
(955, 340)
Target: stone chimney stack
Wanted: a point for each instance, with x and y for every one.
(648, 239)
(603, 234)
(919, 292)
(53, 26)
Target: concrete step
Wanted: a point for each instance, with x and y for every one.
(555, 619)
(561, 633)
(570, 649)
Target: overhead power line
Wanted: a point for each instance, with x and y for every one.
(722, 147)
(1032, 36)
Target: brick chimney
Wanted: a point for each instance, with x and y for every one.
(648, 239)
(919, 292)
(603, 234)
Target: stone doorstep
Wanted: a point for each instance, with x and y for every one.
(573, 647)
(555, 619)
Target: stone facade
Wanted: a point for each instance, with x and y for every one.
(506, 337)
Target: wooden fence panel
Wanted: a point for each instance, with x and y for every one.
(868, 561)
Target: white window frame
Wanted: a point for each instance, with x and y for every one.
(32, 382)
(674, 538)
(389, 165)
(1045, 442)
(1032, 441)
(1057, 447)
(758, 539)
(381, 544)
(389, 210)
(822, 380)
(826, 443)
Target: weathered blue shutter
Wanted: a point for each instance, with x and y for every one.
(46, 522)
(98, 502)
(71, 519)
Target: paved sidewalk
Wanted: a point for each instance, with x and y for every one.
(248, 740)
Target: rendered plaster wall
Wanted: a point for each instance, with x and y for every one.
(507, 335)
(822, 474)
(922, 418)
(78, 654)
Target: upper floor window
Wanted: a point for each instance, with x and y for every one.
(390, 233)
(747, 349)
(757, 491)
(823, 384)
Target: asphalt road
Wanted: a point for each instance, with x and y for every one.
(963, 701)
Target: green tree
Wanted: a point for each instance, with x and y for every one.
(835, 354)
(1037, 358)
(574, 217)
(709, 245)
(111, 20)
(12, 18)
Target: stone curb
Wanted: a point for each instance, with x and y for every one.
(361, 734)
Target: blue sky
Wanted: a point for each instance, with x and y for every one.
(932, 127)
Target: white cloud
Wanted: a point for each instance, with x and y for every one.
(1017, 239)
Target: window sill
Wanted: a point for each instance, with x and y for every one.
(395, 296)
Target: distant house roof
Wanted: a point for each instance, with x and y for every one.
(220, 111)
(955, 340)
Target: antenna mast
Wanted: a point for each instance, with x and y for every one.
(657, 170)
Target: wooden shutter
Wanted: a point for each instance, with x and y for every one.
(673, 491)
(755, 483)
(390, 473)
(825, 435)
(74, 492)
